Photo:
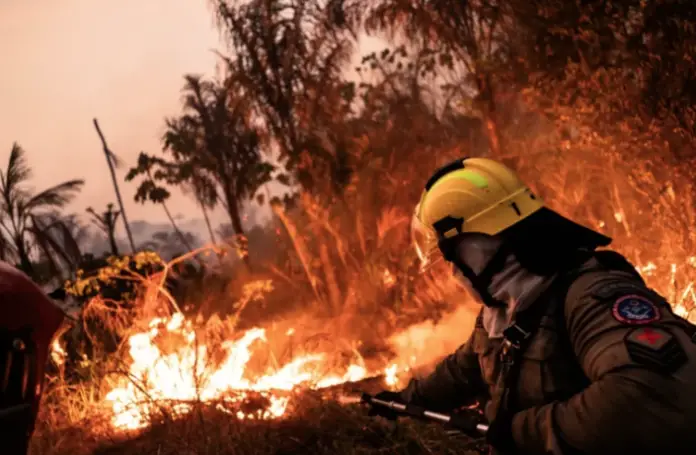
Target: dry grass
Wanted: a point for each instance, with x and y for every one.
(317, 426)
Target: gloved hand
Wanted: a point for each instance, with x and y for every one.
(383, 411)
(499, 435)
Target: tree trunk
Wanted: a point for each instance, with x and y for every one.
(109, 161)
(112, 242)
(180, 234)
(236, 220)
(213, 240)
(24, 261)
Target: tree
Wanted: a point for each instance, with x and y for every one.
(213, 147)
(665, 42)
(289, 63)
(112, 161)
(25, 218)
(149, 190)
(106, 222)
(57, 239)
(206, 199)
(462, 39)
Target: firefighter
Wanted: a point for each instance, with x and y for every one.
(571, 352)
(29, 319)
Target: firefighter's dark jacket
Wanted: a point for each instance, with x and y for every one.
(610, 369)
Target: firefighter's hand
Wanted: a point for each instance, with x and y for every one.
(387, 413)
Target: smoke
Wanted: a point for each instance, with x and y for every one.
(421, 345)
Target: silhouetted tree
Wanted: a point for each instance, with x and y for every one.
(451, 36)
(112, 161)
(106, 222)
(22, 209)
(149, 190)
(289, 62)
(213, 147)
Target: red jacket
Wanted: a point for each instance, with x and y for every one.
(24, 305)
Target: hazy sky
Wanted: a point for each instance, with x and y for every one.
(65, 62)
(68, 61)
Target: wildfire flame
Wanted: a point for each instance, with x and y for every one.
(58, 354)
(185, 376)
(196, 370)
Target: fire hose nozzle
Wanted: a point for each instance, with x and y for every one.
(465, 425)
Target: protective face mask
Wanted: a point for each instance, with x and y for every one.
(511, 285)
(495, 319)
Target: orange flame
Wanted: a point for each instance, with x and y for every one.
(185, 376)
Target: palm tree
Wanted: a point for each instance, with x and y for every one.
(106, 221)
(112, 161)
(24, 213)
(58, 238)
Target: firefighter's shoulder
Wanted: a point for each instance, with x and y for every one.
(614, 320)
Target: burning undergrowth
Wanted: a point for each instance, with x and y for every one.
(171, 363)
(339, 307)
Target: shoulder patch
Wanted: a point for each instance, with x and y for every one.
(635, 310)
(656, 348)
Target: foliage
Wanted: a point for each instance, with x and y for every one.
(288, 60)
(115, 279)
(170, 245)
(213, 147)
(25, 217)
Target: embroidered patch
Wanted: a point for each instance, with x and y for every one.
(656, 348)
(635, 310)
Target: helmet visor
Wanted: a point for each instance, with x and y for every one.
(424, 239)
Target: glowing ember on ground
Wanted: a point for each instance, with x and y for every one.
(186, 375)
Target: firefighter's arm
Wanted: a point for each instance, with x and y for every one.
(455, 382)
(629, 345)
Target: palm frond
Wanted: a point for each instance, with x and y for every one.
(56, 196)
(18, 170)
(54, 236)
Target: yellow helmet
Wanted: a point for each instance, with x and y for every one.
(475, 195)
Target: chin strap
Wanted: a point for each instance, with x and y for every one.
(480, 282)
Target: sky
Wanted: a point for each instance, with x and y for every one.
(66, 62)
